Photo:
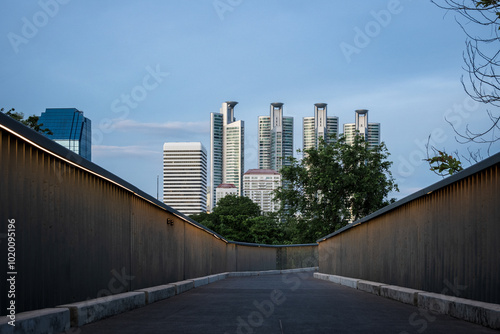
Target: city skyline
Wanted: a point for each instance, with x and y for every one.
(158, 109)
(149, 74)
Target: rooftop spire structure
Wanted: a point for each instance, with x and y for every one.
(319, 126)
(276, 115)
(227, 111)
(361, 122)
(369, 131)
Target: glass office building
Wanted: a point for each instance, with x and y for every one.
(70, 129)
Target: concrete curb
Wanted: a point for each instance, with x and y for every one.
(300, 270)
(158, 293)
(214, 278)
(243, 273)
(485, 314)
(270, 272)
(63, 317)
(222, 276)
(350, 282)
(217, 277)
(321, 276)
(49, 320)
(404, 295)
(201, 281)
(369, 286)
(82, 313)
(333, 278)
(183, 286)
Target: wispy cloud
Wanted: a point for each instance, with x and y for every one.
(131, 125)
(122, 151)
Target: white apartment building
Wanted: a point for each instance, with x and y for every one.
(275, 138)
(225, 189)
(226, 150)
(370, 131)
(321, 125)
(258, 185)
(185, 177)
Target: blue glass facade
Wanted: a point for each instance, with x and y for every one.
(70, 129)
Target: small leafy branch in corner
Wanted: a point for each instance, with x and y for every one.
(31, 121)
(489, 5)
(442, 163)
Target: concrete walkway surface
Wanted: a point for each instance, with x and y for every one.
(282, 304)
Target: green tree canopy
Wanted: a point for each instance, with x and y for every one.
(31, 121)
(238, 218)
(232, 205)
(332, 185)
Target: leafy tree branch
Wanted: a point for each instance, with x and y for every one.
(31, 121)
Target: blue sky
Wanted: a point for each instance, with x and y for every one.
(150, 72)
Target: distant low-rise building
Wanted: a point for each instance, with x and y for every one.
(225, 189)
(259, 184)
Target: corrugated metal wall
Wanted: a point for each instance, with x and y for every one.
(446, 241)
(72, 227)
(82, 234)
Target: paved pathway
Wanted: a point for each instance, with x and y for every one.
(282, 304)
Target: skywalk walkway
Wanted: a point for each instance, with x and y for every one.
(286, 303)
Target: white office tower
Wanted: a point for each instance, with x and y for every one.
(259, 184)
(321, 125)
(369, 131)
(275, 138)
(226, 150)
(185, 177)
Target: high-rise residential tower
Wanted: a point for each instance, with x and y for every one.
(369, 131)
(226, 150)
(275, 138)
(321, 125)
(70, 129)
(185, 177)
